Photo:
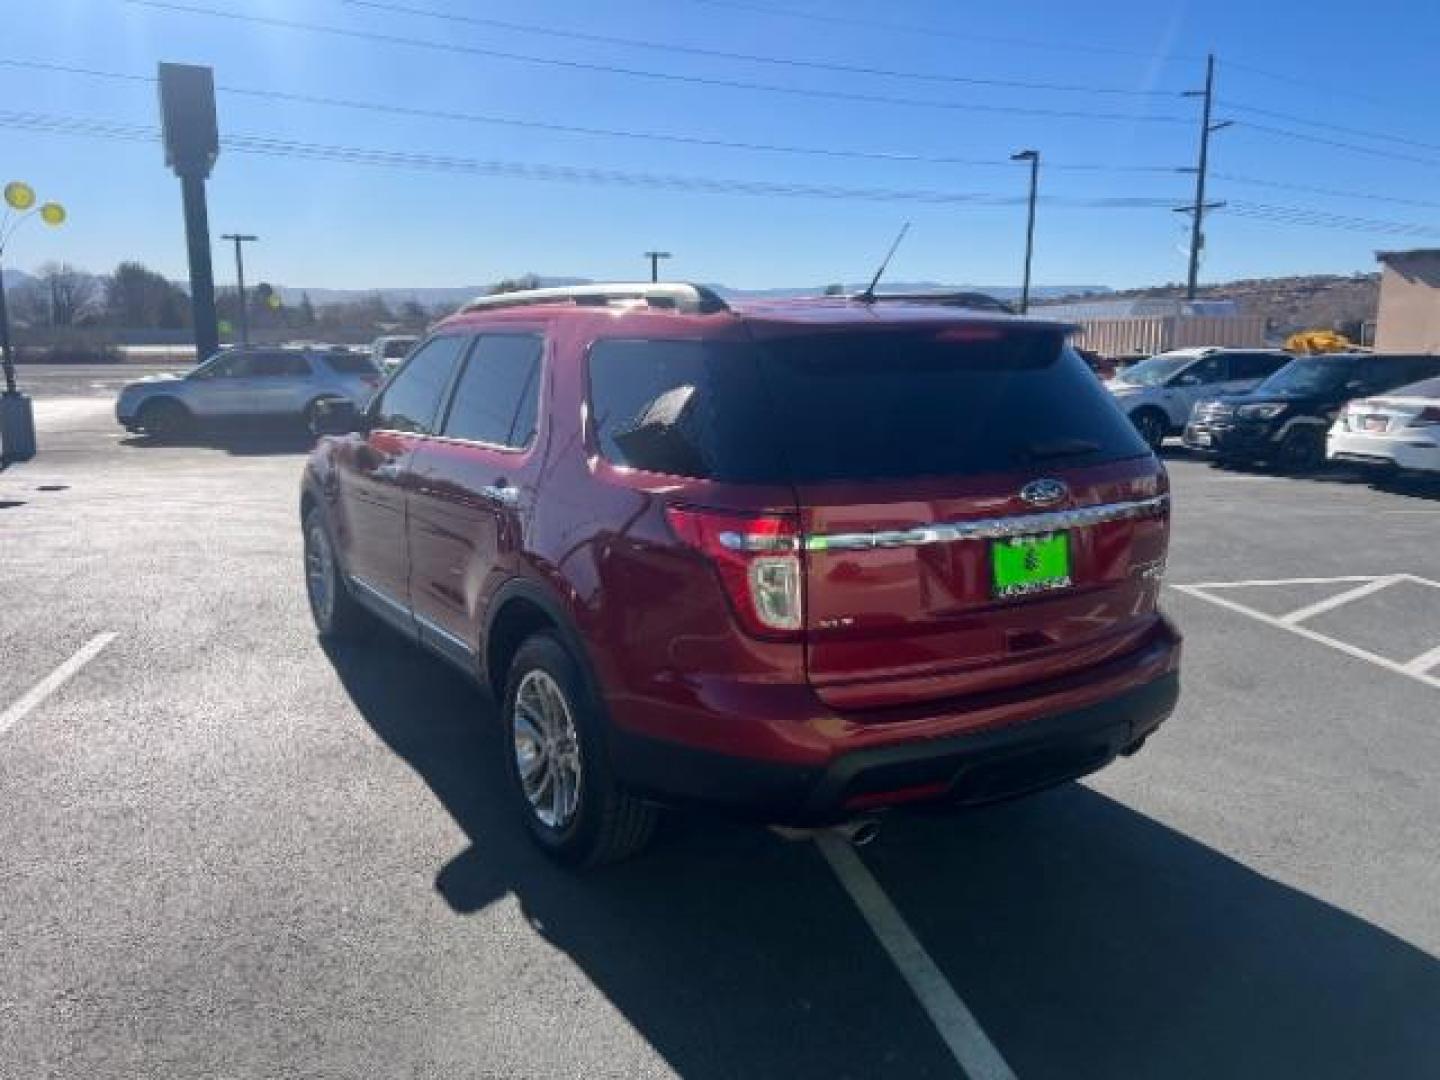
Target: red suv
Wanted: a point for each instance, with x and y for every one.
(802, 559)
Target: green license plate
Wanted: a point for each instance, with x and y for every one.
(1030, 564)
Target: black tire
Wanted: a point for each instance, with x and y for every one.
(1152, 426)
(337, 615)
(605, 823)
(166, 420)
(1302, 450)
(310, 412)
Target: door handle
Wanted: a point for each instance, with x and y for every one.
(501, 492)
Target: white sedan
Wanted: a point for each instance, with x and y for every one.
(1398, 430)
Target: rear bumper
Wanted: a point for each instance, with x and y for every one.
(984, 764)
(1415, 452)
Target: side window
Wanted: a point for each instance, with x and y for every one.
(412, 400)
(1377, 375)
(497, 395)
(1254, 365)
(1209, 370)
(278, 365)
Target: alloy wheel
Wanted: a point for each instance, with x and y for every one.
(547, 749)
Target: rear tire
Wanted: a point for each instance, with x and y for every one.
(311, 411)
(337, 615)
(166, 420)
(556, 761)
(1152, 426)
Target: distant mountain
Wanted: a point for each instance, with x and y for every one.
(443, 296)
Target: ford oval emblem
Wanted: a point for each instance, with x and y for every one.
(1044, 492)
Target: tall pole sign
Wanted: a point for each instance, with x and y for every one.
(192, 143)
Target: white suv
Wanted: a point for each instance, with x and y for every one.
(1159, 393)
(247, 384)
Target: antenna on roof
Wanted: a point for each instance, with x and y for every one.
(868, 296)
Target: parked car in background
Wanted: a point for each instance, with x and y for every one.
(387, 352)
(1158, 394)
(1397, 432)
(252, 383)
(936, 582)
(1283, 421)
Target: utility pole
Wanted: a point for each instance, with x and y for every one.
(1032, 156)
(241, 238)
(1200, 206)
(655, 257)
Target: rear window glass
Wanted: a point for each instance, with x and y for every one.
(854, 406)
(350, 363)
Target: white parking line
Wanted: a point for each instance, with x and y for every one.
(52, 682)
(1407, 669)
(1424, 662)
(1330, 603)
(972, 1049)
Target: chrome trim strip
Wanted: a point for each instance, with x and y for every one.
(998, 528)
(376, 594)
(444, 635)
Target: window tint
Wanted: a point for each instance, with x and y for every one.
(1386, 373)
(1255, 365)
(350, 363)
(857, 405)
(1210, 370)
(412, 399)
(497, 393)
(274, 365)
(687, 408)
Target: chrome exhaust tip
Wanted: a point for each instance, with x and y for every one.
(857, 832)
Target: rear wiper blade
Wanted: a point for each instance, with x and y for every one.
(1056, 448)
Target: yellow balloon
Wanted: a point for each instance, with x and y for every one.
(52, 213)
(20, 195)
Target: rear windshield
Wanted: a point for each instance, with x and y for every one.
(350, 363)
(867, 405)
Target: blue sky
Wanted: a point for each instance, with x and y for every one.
(331, 224)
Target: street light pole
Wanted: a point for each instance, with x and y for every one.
(241, 238)
(655, 257)
(1032, 156)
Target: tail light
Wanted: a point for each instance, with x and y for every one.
(758, 559)
(1428, 417)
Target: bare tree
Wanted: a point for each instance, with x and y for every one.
(73, 295)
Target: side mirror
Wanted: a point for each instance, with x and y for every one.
(1189, 380)
(336, 416)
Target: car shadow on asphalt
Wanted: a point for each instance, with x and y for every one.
(250, 440)
(1090, 940)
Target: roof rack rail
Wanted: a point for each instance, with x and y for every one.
(982, 301)
(670, 295)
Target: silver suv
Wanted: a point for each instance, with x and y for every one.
(248, 383)
(1158, 394)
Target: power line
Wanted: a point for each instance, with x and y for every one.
(643, 73)
(268, 145)
(897, 156)
(1338, 144)
(1362, 132)
(287, 148)
(931, 30)
(756, 58)
(1337, 193)
(1307, 84)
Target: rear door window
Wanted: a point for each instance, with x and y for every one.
(854, 405)
(1255, 365)
(496, 396)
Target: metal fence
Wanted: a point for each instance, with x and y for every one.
(1121, 337)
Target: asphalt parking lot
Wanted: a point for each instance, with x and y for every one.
(226, 851)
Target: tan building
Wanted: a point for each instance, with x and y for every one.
(1409, 316)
